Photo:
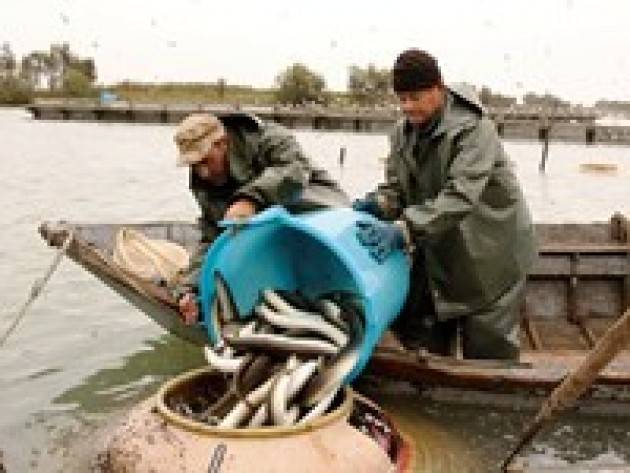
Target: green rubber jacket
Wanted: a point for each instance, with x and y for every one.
(453, 184)
(267, 166)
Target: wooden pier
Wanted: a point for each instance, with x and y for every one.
(517, 123)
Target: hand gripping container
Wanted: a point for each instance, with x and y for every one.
(317, 253)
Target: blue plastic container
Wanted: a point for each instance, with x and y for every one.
(317, 253)
(106, 97)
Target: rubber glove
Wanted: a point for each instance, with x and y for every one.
(381, 238)
(367, 204)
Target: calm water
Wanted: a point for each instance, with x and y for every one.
(83, 356)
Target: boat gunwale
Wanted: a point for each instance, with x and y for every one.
(403, 365)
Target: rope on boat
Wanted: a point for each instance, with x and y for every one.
(38, 286)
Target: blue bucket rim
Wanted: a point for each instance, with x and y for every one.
(275, 214)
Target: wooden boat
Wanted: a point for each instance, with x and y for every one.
(578, 286)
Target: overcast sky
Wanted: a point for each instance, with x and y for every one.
(577, 49)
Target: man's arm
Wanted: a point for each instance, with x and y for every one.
(185, 293)
(468, 175)
(285, 174)
(386, 201)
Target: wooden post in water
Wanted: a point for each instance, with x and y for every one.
(342, 156)
(543, 134)
(342, 161)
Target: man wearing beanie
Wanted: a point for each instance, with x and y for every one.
(239, 166)
(454, 202)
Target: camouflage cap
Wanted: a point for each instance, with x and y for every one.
(195, 136)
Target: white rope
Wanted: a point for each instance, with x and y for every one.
(37, 287)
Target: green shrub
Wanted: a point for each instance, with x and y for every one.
(14, 91)
(77, 84)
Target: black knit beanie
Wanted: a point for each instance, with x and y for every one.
(415, 70)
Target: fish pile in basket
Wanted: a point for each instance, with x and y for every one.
(286, 362)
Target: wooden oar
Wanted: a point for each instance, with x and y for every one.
(577, 382)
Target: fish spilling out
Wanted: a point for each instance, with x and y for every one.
(285, 363)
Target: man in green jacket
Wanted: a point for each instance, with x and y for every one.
(239, 166)
(453, 197)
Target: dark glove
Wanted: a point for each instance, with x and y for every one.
(380, 238)
(367, 204)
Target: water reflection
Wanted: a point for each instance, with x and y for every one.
(140, 373)
(81, 359)
(467, 431)
(68, 434)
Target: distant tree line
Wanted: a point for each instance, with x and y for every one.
(494, 99)
(193, 92)
(60, 72)
(613, 106)
(54, 72)
(371, 86)
(546, 100)
(298, 85)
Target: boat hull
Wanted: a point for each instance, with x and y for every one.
(578, 286)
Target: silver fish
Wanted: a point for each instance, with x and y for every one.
(252, 372)
(321, 407)
(260, 416)
(277, 303)
(227, 309)
(292, 416)
(289, 384)
(243, 409)
(298, 321)
(215, 320)
(282, 343)
(301, 375)
(332, 376)
(234, 328)
(279, 396)
(274, 300)
(221, 357)
(332, 313)
(223, 363)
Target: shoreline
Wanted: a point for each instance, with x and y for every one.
(564, 126)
